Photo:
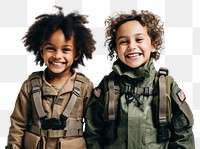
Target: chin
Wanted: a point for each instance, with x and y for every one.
(57, 71)
(134, 65)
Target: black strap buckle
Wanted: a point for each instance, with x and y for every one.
(53, 123)
(129, 97)
(163, 71)
(146, 91)
(133, 97)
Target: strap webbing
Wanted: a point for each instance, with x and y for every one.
(111, 87)
(111, 104)
(36, 85)
(37, 97)
(162, 101)
(143, 90)
(74, 129)
(72, 100)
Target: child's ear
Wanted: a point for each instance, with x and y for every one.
(153, 49)
(153, 46)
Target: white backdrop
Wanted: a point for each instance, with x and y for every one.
(181, 55)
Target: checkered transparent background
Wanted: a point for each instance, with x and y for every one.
(181, 55)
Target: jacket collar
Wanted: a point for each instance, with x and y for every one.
(67, 87)
(135, 73)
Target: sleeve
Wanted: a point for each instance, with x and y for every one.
(94, 127)
(19, 119)
(182, 120)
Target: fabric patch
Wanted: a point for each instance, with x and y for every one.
(97, 92)
(181, 95)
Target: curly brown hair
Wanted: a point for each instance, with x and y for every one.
(71, 24)
(147, 19)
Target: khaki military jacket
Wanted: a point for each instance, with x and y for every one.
(24, 118)
(135, 126)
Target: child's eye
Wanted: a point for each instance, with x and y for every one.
(49, 49)
(139, 39)
(123, 42)
(66, 49)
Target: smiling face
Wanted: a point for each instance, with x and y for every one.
(133, 44)
(59, 54)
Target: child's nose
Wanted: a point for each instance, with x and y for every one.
(58, 54)
(132, 45)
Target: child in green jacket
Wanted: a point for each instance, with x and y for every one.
(135, 106)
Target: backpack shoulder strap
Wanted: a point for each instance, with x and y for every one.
(80, 81)
(111, 104)
(36, 83)
(162, 73)
(164, 104)
(112, 97)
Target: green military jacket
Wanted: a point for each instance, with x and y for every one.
(135, 125)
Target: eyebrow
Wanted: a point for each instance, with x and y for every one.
(133, 35)
(66, 45)
(48, 43)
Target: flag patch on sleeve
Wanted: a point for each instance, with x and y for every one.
(181, 95)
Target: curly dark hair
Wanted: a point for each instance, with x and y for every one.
(71, 24)
(145, 18)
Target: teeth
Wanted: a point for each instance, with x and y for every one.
(133, 55)
(58, 64)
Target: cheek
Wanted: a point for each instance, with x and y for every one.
(45, 57)
(120, 51)
(69, 58)
(147, 54)
(120, 55)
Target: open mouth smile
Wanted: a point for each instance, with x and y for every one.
(57, 63)
(134, 55)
